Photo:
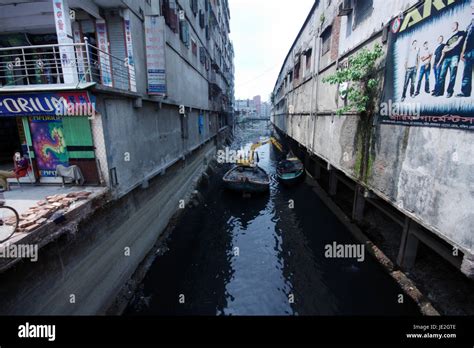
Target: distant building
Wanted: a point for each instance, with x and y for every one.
(266, 110)
(257, 101)
(251, 107)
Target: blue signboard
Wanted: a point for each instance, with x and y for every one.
(76, 103)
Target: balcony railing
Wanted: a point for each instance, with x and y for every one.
(63, 64)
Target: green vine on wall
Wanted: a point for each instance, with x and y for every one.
(361, 76)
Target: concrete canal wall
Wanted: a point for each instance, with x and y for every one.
(82, 272)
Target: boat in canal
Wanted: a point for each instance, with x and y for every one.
(248, 179)
(290, 171)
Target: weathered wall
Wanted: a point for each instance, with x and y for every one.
(91, 263)
(148, 139)
(426, 173)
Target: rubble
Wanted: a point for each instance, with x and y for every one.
(41, 213)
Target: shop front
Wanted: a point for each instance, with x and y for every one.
(51, 129)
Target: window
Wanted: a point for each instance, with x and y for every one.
(168, 9)
(363, 10)
(194, 6)
(326, 41)
(202, 55)
(297, 68)
(201, 19)
(194, 47)
(308, 55)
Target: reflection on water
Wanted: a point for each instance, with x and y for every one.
(263, 255)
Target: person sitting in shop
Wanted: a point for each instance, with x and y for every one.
(20, 169)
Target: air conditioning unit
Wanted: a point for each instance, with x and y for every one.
(345, 8)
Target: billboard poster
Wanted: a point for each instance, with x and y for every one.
(428, 78)
(49, 145)
(104, 58)
(155, 55)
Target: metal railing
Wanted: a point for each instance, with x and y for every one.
(65, 64)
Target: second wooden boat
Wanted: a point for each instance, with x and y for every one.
(251, 179)
(290, 171)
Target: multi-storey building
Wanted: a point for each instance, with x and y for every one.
(122, 89)
(415, 167)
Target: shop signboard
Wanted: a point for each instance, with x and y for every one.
(155, 55)
(77, 103)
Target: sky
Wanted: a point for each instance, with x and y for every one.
(262, 32)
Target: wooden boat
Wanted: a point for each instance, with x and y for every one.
(290, 171)
(250, 179)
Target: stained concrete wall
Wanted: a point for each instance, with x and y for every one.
(141, 142)
(426, 173)
(91, 262)
(151, 135)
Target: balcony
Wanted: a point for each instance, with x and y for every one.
(62, 66)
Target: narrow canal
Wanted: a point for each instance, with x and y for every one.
(263, 256)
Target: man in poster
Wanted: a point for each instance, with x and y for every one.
(467, 55)
(411, 67)
(450, 60)
(437, 57)
(425, 60)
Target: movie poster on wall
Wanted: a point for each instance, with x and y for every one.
(429, 66)
(49, 145)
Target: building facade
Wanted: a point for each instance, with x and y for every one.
(122, 89)
(417, 162)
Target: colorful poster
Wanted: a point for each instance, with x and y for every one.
(104, 55)
(155, 55)
(49, 145)
(429, 67)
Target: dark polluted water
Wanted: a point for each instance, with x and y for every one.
(263, 256)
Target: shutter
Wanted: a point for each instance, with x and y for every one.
(116, 31)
